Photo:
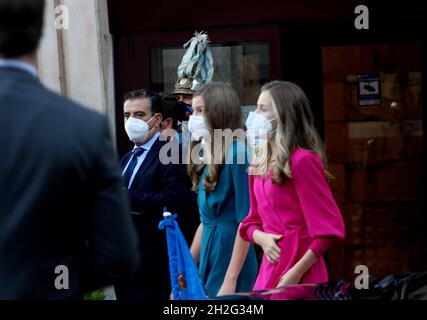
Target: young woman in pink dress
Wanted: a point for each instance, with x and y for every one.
(293, 216)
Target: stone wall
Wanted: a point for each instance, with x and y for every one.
(78, 62)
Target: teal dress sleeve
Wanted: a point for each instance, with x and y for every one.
(239, 174)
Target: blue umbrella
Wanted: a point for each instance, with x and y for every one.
(185, 281)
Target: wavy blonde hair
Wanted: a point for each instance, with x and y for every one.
(221, 111)
(295, 129)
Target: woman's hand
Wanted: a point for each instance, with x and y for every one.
(295, 274)
(267, 241)
(292, 277)
(228, 287)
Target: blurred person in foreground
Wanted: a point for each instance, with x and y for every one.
(64, 223)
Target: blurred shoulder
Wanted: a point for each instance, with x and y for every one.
(72, 111)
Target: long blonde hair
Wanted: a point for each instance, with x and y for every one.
(295, 129)
(221, 111)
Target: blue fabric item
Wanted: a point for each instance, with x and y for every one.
(221, 212)
(186, 107)
(185, 281)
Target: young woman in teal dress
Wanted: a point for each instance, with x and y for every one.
(227, 263)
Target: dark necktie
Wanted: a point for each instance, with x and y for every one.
(132, 164)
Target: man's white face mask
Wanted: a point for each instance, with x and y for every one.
(136, 129)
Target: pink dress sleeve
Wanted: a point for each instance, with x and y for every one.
(321, 244)
(321, 213)
(253, 221)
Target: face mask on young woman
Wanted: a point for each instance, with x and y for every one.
(259, 126)
(137, 129)
(197, 127)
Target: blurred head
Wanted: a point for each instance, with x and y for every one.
(186, 98)
(184, 90)
(219, 105)
(170, 114)
(220, 108)
(142, 114)
(21, 24)
(185, 102)
(288, 108)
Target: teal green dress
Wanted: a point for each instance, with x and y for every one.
(221, 212)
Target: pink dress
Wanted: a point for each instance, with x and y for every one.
(303, 210)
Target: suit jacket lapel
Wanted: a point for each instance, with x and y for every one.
(125, 160)
(149, 159)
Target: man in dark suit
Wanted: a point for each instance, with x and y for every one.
(64, 222)
(152, 186)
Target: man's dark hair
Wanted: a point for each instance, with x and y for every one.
(21, 25)
(153, 97)
(170, 109)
